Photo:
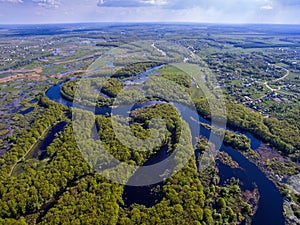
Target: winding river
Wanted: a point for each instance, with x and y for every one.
(270, 205)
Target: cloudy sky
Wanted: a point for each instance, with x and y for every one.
(212, 11)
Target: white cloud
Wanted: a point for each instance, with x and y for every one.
(48, 3)
(189, 4)
(42, 3)
(267, 7)
(132, 3)
(224, 11)
(12, 1)
(156, 2)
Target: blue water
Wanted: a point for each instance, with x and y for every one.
(33, 101)
(143, 77)
(29, 110)
(40, 151)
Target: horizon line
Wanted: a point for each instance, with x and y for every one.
(149, 22)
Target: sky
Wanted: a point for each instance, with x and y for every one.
(202, 11)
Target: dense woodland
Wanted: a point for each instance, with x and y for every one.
(134, 69)
(284, 136)
(65, 189)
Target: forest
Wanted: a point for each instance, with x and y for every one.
(65, 189)
(283, 135)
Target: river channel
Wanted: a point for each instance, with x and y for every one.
(270, 205)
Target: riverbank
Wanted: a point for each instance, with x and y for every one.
(17, 166)
(43, 135)
(248, 172)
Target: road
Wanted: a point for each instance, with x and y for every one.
(161, 51)
(279, 79)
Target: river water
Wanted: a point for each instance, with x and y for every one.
(40, 151)
(270, 205)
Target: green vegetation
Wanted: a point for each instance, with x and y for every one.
(4, 132)
(29, 137)
(237, 141)
(19, 197)
(63, 188)
(174, 74)
(89, 89)
(187, 201)
(227, 160)
(282, 168)
(134, 69)
(282, 135)
(139, 127)
(112, 87)
(68, 89)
